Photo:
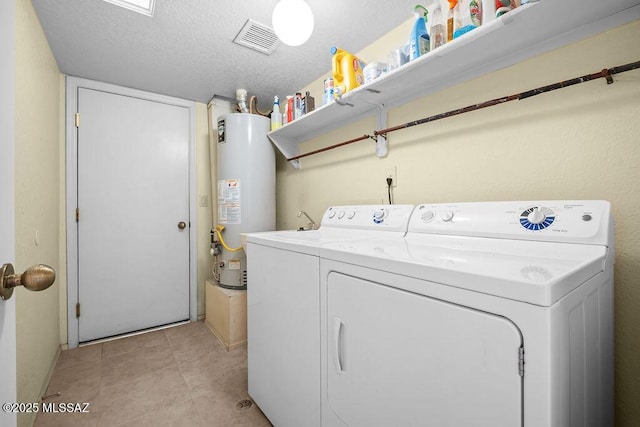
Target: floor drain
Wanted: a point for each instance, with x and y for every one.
(243, 404)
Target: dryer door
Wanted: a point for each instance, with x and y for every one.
(397, 358)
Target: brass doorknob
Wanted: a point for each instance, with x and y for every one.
(35, 278)
(182, 225)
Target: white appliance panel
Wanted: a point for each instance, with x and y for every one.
(284, 307)
(573, 221)
(283, 322)
(398, 358)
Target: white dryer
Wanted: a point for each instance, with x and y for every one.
(487, 314)
(283, 307)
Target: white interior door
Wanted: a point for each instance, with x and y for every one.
(7, 206)
(400, 359)
(133, 192)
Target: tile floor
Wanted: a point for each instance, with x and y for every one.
(179, 376)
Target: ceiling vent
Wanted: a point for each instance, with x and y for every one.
(257, 36)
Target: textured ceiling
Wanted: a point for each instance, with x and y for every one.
(186, 49)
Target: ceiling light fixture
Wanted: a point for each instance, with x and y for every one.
(292, 21)
(145, 7)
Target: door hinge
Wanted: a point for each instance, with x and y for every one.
(77, 309)
(77, 214)
(77, 120)
(521, 361)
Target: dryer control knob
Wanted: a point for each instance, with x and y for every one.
(447, 216)
(536, 216)
(332, 213)
(340, 214)
(379, 214)
(351, 214)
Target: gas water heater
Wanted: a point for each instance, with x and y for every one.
(246, 187)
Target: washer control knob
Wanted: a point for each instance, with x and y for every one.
(332, 213)
(351, 214)
(447, 216)
(428, 216)
(340, 214)
(379, 214)
(536, 216)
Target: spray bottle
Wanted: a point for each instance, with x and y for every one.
(438, 30)
(276, 115)
(467, 16)
(419, 43)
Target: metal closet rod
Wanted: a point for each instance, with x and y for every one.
(605, 74)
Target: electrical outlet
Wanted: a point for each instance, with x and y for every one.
(204, 200)
(391, 173)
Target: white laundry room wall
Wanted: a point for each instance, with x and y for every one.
(579, 142)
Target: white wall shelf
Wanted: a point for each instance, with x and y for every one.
(523, 33)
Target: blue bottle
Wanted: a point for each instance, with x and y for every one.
(419, 42)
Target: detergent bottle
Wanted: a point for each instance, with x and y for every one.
(467, 16)
(347, 70)
(419, 43)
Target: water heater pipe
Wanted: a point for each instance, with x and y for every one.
(241, 97)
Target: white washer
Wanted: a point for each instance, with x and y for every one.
(283, 307)
(486, 314)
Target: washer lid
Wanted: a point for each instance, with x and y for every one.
(309, 241)
(539, 273)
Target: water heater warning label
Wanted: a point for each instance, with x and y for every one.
(229, 201)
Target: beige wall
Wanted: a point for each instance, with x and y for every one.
(37, 203)
(203, 188)
(576, 143)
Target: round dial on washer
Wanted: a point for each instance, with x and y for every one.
(378, 215)
(340, 214)
(332, 213)
(537, 218)
(428, 216)
(447, 216)
(350, 214)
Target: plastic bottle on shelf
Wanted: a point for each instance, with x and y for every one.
(290, 108)
(347, 70)
(488, 11)
(286, 115)
(467, 16)
(450, 19)
(419, 43)
(297, 106)
(308, 102)
(502, 7)
(276, 115)
(438, 31)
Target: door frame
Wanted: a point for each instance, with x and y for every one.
(8, 378)
(71, 136)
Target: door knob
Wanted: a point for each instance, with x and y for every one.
(181, 225)
(35, 278)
